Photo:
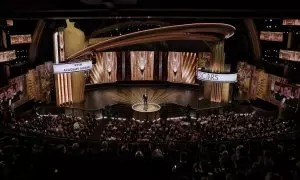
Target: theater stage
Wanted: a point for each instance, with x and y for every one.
(179, 94)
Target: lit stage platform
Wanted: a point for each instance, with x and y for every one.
(131, 93)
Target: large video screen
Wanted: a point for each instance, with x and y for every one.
(286, 94)
(105, 68)
(142, 63)
(182, 67)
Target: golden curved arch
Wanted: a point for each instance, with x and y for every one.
(210, 32)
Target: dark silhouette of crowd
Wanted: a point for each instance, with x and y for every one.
(35, 158)
(219, 146)
(56, 125)
(226, 126)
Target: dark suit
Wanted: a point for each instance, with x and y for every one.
(145, 98)
(278, 96)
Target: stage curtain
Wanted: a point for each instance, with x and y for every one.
(142, 60)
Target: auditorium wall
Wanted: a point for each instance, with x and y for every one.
(36, 84)
(268, 87)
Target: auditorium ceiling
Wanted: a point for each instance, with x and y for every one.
(236, 48)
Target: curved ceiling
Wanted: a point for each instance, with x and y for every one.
(126, 24)
(209, 32)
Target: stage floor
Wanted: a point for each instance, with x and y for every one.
(98, 99)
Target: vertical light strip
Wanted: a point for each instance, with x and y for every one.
(58, 92)
(69, 79)
(55, 46)
(57, 76)
(61, 46)
(62, 88)
(66, 91)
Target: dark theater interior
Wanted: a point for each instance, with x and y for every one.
(148, 90)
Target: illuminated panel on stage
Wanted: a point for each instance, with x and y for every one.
(181, 67)
(142, 65)
(216, 77)
(105, 68)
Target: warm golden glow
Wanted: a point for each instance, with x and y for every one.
(78, 86)
(189, 66)
(217, 66)
(204, 60)
(262, 84)
(74, 39)
(31, 84)
(182, 67)
(70, 86)
(226, 86)
(142, 63)
(174, 66)
(64, 89)
(134, 96)
(105, 69)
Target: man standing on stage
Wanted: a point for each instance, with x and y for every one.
(145, 99)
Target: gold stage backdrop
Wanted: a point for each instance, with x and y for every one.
(204, 60)
(105, 69)
(142, 63)
(39, 82)
(244, 74)
(262, 84)
(182, 67)
(253, 84)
